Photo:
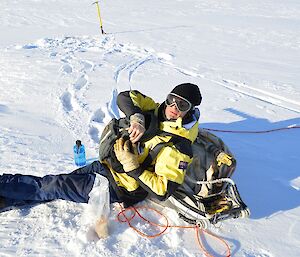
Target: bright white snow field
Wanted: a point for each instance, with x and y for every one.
(58, 74)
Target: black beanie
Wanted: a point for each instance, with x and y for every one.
(190, 92)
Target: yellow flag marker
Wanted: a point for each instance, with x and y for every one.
(99, 16)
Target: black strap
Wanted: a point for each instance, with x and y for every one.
(152, 155)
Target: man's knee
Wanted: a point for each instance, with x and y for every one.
(93, 167)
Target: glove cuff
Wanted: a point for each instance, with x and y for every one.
(138, 118)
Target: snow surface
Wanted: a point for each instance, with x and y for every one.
(58, 81)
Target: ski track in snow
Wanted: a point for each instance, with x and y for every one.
(77, 116)
(71, 52)
(247, 90)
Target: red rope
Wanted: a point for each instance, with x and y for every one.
(251, 131)
(135, 213)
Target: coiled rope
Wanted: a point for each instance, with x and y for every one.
(123, 217)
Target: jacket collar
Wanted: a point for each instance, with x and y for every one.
(188, 131)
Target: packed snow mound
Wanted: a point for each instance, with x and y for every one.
(295, 183)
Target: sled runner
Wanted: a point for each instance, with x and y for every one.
(208, 194)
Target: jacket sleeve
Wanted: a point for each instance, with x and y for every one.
(170, 167)
(131, 102)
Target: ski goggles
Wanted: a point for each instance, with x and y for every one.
(181, 103)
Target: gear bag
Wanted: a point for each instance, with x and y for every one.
(115, 129)
(205, 182)
(204, 167)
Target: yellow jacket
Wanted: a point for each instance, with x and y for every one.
(167, 170)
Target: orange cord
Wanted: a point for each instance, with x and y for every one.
(135, 212)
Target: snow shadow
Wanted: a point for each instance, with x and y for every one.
(266, 163)
(4, 109)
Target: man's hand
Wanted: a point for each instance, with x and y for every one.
(137, 127)
(224, 158)
(127, 155)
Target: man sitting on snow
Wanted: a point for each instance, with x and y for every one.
(148, 157)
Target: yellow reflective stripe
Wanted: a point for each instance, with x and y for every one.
(123, 180)
(144, 103)
(157, 184)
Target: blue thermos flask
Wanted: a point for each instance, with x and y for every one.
(79, 153)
